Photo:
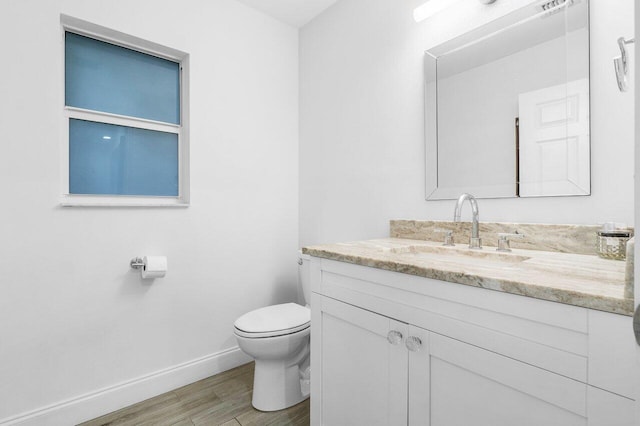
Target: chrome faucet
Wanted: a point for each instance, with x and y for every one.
(475, 242)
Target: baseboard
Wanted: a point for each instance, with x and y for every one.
(103, 401)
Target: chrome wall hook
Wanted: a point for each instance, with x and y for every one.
(621, 63)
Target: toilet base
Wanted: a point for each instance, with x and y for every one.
(276, 386)
(278, 363)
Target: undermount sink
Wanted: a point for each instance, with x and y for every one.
(488, 254)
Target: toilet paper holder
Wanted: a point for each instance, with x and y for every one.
(136, 263)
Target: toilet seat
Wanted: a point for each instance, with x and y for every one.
(272, 321)
(266, 334)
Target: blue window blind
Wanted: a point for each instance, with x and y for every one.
(108, 159)
(104, 77)
(127, 155)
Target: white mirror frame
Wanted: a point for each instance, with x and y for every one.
(432, 190)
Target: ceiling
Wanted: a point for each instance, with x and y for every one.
(293, 12)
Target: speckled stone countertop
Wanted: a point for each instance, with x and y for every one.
(575, 279)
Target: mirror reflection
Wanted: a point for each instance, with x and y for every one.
(507, 107)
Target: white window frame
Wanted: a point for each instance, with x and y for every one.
(78, 26)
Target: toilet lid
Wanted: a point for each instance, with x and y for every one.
(280, 319)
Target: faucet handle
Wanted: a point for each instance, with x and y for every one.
(505, 237)
(448, 236)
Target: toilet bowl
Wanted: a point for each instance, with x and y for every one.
(277, 337)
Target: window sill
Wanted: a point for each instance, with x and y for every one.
(122, 201)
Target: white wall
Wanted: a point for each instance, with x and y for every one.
(74, 318)
(361, 121)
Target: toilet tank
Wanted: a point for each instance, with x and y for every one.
(304, 276)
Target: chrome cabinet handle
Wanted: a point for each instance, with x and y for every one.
(413, 343)
(394, 337)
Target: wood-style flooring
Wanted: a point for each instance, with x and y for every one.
(224, 399)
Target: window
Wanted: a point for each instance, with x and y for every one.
(124, 119)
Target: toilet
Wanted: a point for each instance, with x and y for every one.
(277, 337)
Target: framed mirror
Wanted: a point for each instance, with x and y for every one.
(507, 106)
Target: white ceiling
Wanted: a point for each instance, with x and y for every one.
(293, 12)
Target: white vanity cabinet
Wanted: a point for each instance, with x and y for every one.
(467, 385)
(396, 349)
(364, 376)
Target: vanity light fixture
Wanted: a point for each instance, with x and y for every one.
(430, 8)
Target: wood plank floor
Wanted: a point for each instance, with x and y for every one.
(224, 399)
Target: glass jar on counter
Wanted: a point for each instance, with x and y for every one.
(612, 243)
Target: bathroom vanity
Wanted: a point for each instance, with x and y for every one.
(407, 331)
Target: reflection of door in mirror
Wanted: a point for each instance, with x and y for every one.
(554, 140)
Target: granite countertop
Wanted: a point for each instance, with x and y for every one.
(575, 279)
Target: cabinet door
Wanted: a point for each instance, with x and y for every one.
(452, 383)
(609, 409)
(611, 352)
(363, 375)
